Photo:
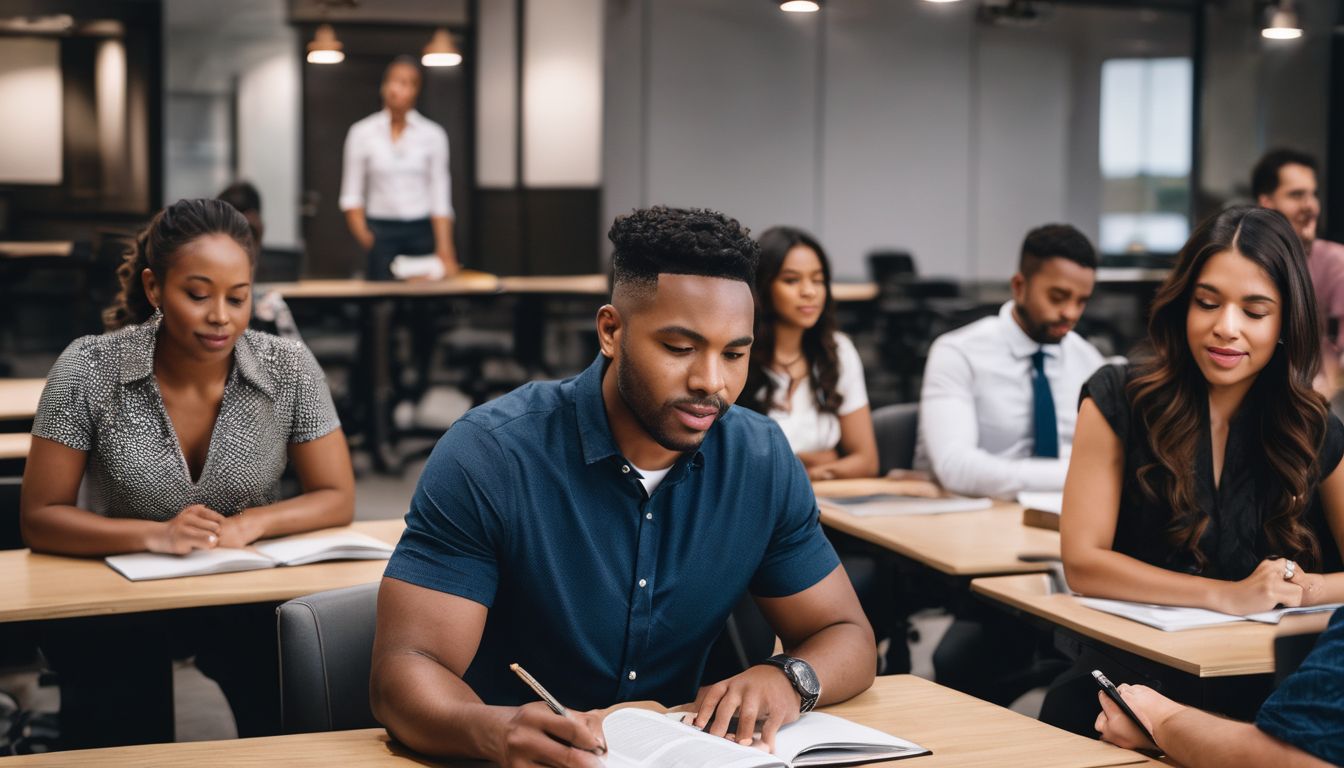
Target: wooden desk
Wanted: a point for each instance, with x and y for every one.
(1223, 651)
(960, 730)
(960, 544)
(18, 398)
(40, 587)
(556, 285)
(35, 249)
(466, 283)
(847, 292)
(14, 445)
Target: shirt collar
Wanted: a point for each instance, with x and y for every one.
(595, 436)
(1019, 343)
(413, 117)
(138, 342)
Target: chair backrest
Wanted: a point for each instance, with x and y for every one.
(326, 650)
(886, 267)
(896, 427)
(746, 639)
(1290, 651)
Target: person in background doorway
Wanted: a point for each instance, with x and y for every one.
(395, 187)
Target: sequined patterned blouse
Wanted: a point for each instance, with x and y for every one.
(102, 397)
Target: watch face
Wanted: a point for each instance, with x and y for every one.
(804, 677)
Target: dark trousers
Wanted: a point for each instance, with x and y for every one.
(393, 238)
(116, 679)
(993, 656)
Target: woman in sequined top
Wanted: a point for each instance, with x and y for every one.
(180, 417)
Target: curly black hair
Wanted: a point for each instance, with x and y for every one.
(1055, 241)
(680, 241)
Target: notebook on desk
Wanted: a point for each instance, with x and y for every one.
(290, 550)
(638, 738)
(1041, 509)
(1171, 618)
(879, 504)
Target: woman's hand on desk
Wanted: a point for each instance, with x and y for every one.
(535, 735)
(761, 698)
(238, 531)
(196, 527)
(1263, 590)
(1313, 587)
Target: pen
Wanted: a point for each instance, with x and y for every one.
(546, 696)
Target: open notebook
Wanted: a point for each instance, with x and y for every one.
(879, 504)
(638, 738)
(290, 550)
(1170, 618)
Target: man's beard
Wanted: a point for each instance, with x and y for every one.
(1037, 331)
(649, 415)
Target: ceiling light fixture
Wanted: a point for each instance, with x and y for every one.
(1281, 22)
(441, 52)
(325, 48)
(800, 6)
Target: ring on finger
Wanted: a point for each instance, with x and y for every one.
(1289, 570)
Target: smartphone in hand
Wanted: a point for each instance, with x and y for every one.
(1114, 695)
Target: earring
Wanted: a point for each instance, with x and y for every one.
(158, 314)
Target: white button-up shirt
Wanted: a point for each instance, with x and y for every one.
(976, 407)
(406, 179)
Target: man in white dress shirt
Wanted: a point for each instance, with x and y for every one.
(395, 187)
(1000, 395)
(996, 416)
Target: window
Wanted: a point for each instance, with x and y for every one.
(1146, 114)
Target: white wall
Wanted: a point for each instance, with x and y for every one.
(30, 93)
(874, 123)
(496, 96)
(270, 148)
(562, 93)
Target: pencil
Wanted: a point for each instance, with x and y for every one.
(541, 691)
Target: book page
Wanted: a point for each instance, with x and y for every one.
(348, 545)
(1168, 618)
(1042, 501)
(817, 738)
(1274, 616)
(638, 738)
(144, 566)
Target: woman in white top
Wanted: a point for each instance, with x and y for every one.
(805, 374)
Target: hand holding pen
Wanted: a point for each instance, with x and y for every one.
(547, 733)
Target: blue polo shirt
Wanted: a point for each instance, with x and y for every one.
(605, 595)
(1307, 709)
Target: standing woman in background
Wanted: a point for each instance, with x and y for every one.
(1209, 475)
(181, 420)
(395, 188)
(805, 374)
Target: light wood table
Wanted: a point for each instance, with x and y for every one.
(14, 445)
(959, 544)
(35, 249)
(18, 398)
(960, 731)
(466, 283)
(40, 587)
(1227, 650)
(596, 285)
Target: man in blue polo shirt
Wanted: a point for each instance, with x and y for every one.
(599, 531)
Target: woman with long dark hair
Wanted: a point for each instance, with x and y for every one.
(181, 420)
(804, 373)
(1208, 475)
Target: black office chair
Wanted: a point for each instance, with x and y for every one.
(746, 640)
(896, 427)
(326, 651)
(1289, 653)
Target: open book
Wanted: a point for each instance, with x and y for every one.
(638, 738)
(1171, 618)
(290, 550)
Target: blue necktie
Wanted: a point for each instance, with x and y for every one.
(1043, 429)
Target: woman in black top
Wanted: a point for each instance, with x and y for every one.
(1208, 475)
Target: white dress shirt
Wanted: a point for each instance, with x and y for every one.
(975, 411)
(805, 426)
(406, 179)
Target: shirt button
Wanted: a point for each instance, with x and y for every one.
(625, 469)
(643, 583)
(631, 675)
(648, 515)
